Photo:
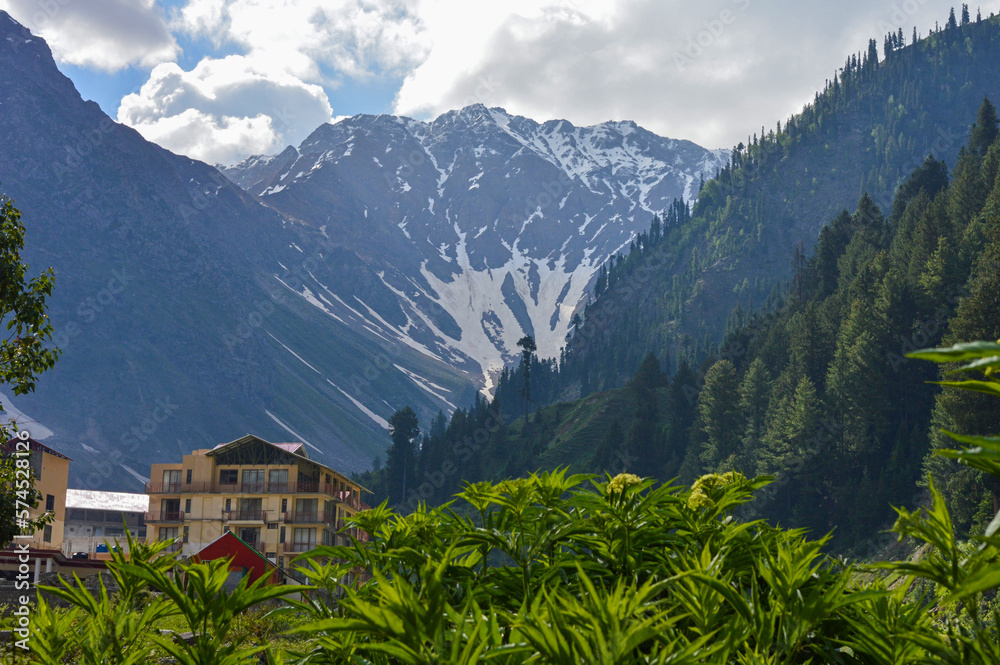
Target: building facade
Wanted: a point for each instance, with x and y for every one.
(270, 495)
(51, 470)
(95, 519)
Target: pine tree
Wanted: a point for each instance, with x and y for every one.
(719, 418)
(984, 133)
(400, 466)
(528, 348)
(754, 391)
(963, 411)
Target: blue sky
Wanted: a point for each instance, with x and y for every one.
(219, 80)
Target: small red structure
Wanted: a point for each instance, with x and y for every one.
(246, 561)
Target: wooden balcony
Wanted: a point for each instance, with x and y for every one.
(348, 497)
(311, 518)
(244, 515)
(163, 517)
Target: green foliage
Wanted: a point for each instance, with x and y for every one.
(567, 569)
(23, 356)
(23, 353)
(17, 495)
(105, 629)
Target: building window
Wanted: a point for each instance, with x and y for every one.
(251, 536)
(277, 480)
(305, 509)
(168, 532)
(188, 478)
(250, 509)
(186, 532)
(228, 476)
(187, 505)
(305, 539)
(172, 480)
(281, 535)
(50, 503)
(47, 533)
(253, 480)
(229, 505)
(225, 529)
(284, 505)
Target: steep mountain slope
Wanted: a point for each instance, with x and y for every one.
(485, 226)
(876, 122)
(177, 299)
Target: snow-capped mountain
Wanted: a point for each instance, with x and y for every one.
(485, 226)
(175, 300)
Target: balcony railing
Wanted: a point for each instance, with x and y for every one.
(297, 547)
(245, 515)
(164, 516)
(348, 497)
(301, 517)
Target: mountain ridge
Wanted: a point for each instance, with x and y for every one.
(477, 210)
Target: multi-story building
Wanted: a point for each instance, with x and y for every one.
(271, 495)
(51, 470)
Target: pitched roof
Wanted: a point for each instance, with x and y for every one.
(11, 447)
(298, 448)
(289, 448)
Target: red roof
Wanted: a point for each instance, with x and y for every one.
(244, 557)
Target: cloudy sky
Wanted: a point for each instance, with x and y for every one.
(221, 79)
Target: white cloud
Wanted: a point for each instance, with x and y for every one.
(224, 109)
(712, 72)
(104, 34)
(272, 93)
(354, 38)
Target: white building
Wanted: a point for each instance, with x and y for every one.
(94, 517)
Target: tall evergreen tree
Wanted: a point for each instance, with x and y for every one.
(984, 133)
(528, 348)
(719, 419)
(404, 428)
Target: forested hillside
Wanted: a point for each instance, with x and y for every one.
(814, 390)
(876, 121)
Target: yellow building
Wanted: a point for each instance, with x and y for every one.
(51, 469)
(271, 495)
